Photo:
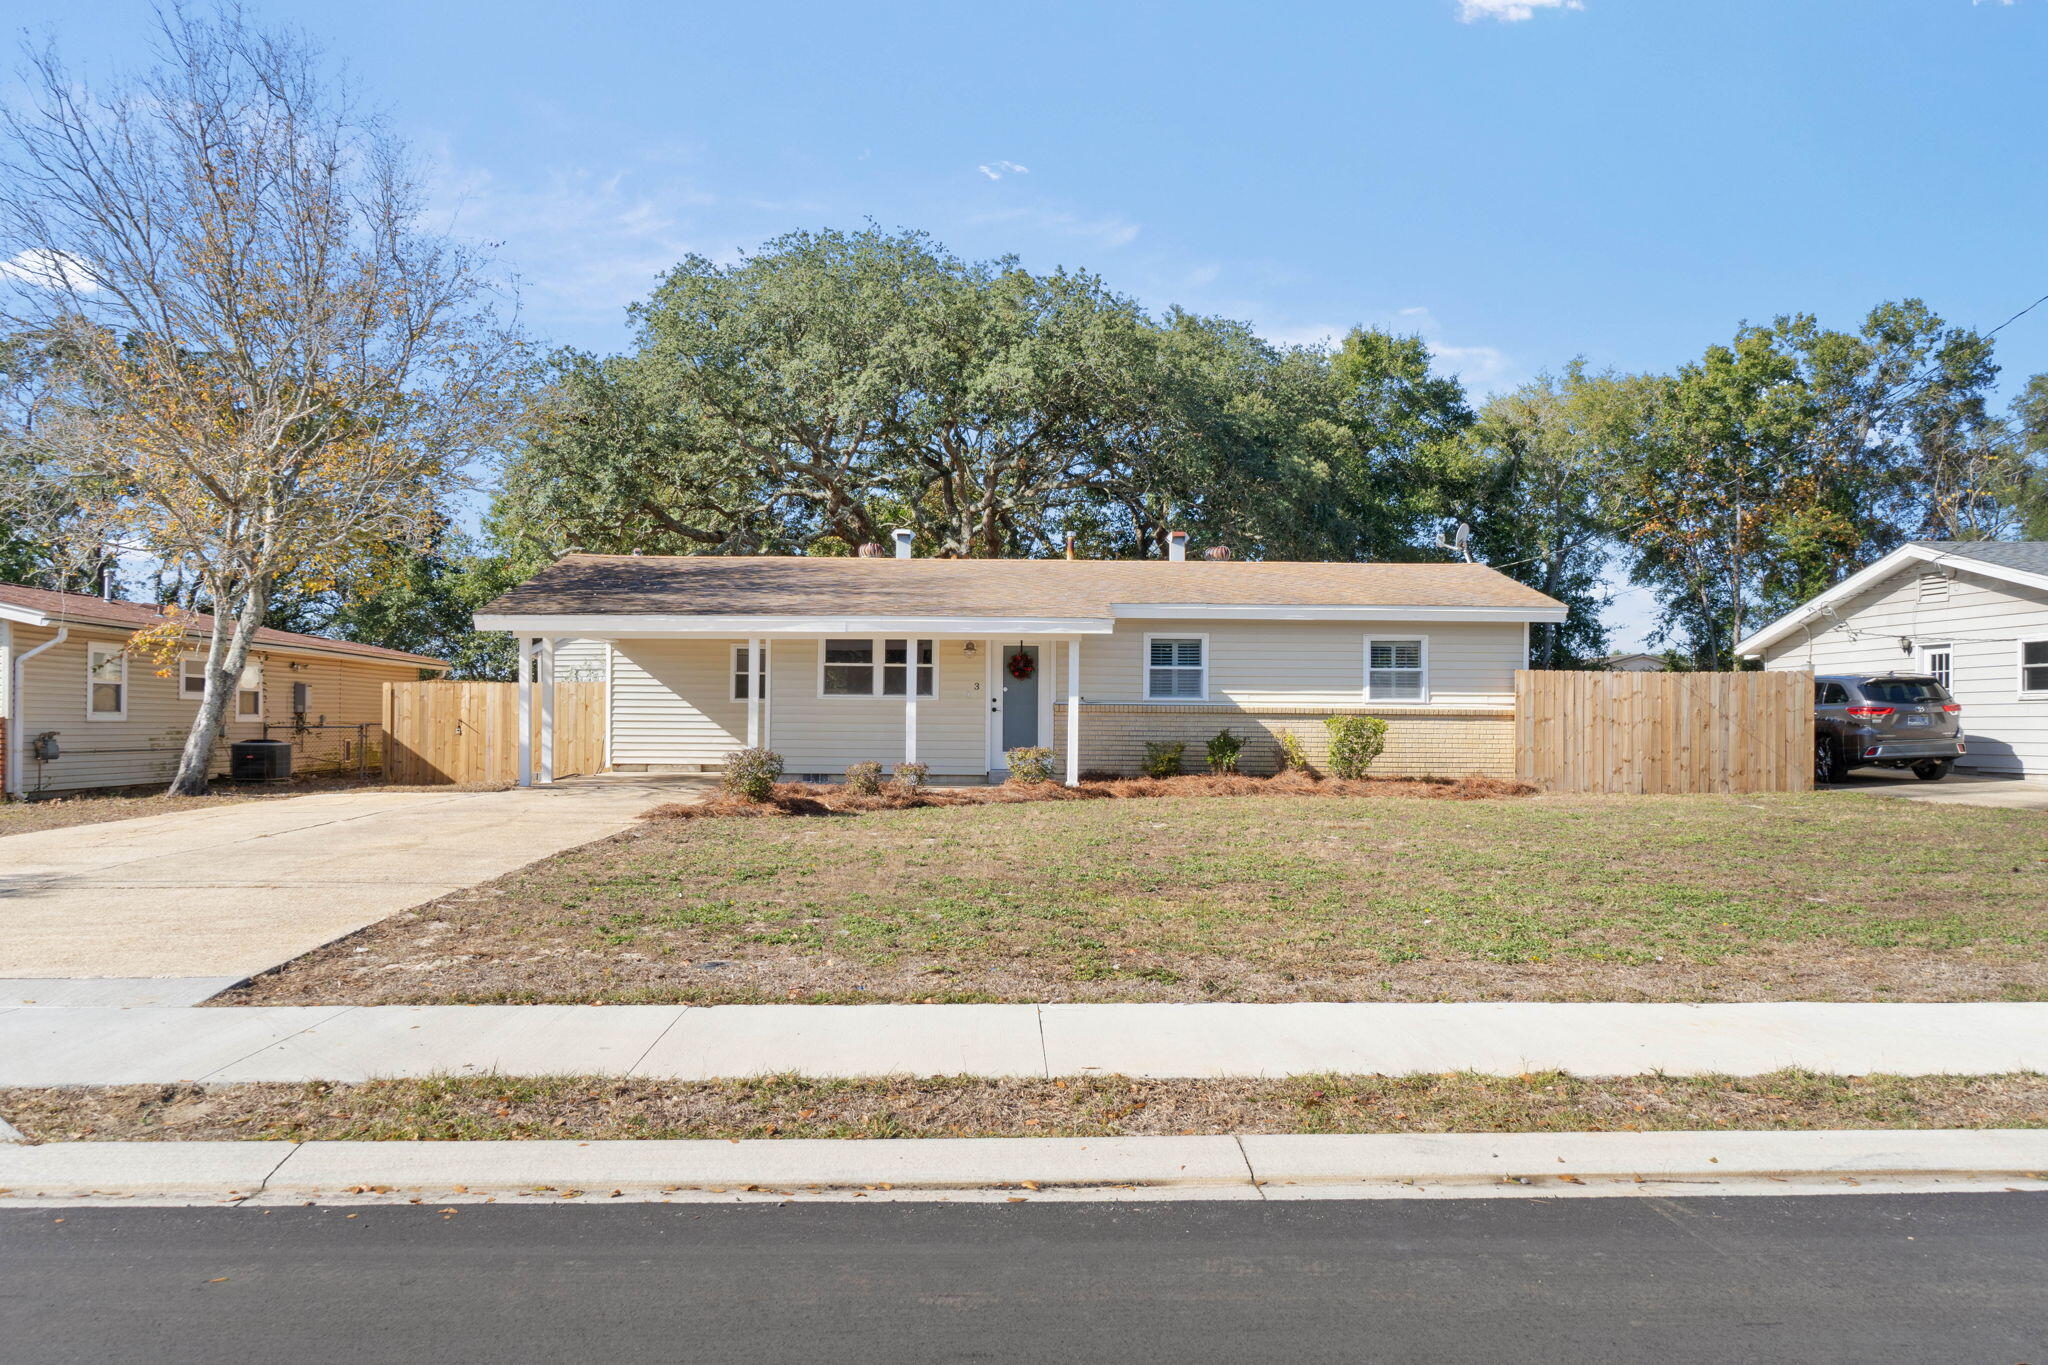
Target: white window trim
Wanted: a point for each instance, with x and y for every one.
(760, 677)
(1365, 683)
(875, 644)
(2019, 671)
(94, 651)
(257, 715)
(1145, 664)
(187, 666)
(1922, 648)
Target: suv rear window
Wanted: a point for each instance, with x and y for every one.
(1904, 691)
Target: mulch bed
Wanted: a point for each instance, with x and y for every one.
(803, 798)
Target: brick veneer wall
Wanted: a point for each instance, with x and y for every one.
(1433, 742)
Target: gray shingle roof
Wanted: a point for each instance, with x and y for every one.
(2028, 556)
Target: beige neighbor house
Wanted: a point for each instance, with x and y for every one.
(953, 662)
(1974, 614)
(82, 711)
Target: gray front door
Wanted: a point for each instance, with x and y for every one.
(1020, 700)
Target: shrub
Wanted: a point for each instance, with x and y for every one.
(1162, 757)
(1355, 741)
(750, 774)
(910, 777)
(864, 779)
(1293, 753)
(1030, 764)
(1224, 750)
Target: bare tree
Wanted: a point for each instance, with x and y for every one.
(268, 369)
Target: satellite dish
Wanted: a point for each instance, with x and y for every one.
(1460, 543)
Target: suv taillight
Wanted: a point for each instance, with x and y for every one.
(1951, 708)
(1869, 712)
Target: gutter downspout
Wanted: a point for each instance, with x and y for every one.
(14, 686)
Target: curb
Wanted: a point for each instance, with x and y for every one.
(1454, 1165)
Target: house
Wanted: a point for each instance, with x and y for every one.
(1972, 613)
(1634, 663)
(953, 662)
(81, 711)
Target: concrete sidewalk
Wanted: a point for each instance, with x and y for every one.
(174, 908)
(106, 1046)
(1251, 1167)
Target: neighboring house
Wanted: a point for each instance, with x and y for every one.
(1635, 663)
(1972, 613)
(953, 662)
(113, 721)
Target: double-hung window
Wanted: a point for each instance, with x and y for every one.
(1176, 668)
(1397, 668)
(1938, 661)
(2034, 668)
(747, 681)
(877, 668)
(248, 693)
(106, 682)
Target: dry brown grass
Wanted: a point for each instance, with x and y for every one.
(594, 1107)
(803, 798)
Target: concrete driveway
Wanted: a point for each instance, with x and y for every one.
(1959, 788)
(170, 909)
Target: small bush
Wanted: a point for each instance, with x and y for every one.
(864, 779)
(1293, 753)
(1162, 757)
(1224, 750)
(910, 777)
(1355, 741)
(751, 774)
(1030, 764)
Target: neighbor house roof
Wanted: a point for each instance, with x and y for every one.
(41, 607)
(689, 591)
(2023, 562)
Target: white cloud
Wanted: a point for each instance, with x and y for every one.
(1511, 11)
(50, 270)
(996, 170)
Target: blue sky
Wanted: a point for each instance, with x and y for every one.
(1518, 182)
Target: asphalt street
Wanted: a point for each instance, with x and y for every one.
(1938, 1278)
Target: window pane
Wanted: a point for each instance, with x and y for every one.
(1162, 653)
(106, 698)
(849, 681)
(2035, 652)
(192, 679)
(895, 651)
(927, 679)
(1397, 653)
(1396, 685)
(249, 704)
(1188, 653)
(892, 680)
(849, 651)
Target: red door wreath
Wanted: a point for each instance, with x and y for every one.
(1022, 665)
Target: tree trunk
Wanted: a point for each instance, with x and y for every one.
(227, 654)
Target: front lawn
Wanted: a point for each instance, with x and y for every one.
(1288, 898)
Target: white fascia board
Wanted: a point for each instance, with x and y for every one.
(1864, 578)
(628, 625)
(1187, 611)
(22, 615)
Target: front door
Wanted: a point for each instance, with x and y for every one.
(1020, 699)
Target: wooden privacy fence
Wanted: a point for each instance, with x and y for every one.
(469, 731)
(1664, 732)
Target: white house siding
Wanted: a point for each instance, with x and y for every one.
(823, 735)
(670, 703)
(1306, 663)
(1982, 619)
(580, 660)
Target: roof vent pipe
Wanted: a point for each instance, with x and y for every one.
(1217, 553)
(903, 537)
(1176, 545)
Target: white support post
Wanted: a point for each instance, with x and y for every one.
(753, 693)
(525, 711)
(547, 711)
(910, 697)
(1074, 711)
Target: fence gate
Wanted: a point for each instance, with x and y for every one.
(469, 731)
(1664, 732)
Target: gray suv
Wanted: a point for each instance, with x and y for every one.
(1892, 720)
